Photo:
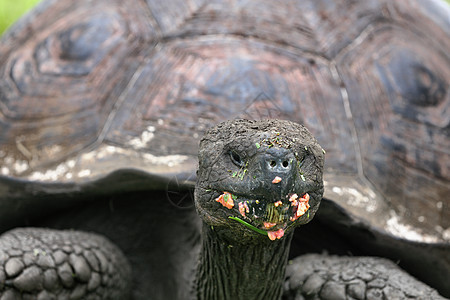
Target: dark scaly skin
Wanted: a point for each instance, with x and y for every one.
(315, 276)
(243, 157)
(50, 264)
(238, 263)
(238, 270)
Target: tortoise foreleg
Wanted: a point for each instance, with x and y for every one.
(50, 264)
(315, 276)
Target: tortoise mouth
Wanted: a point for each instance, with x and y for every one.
(269, 217)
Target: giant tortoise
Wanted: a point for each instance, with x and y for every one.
(103, 103)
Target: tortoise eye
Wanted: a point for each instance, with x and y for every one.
(236, 158)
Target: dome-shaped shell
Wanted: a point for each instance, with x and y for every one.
(91, 89)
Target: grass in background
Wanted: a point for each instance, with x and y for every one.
(11, 10)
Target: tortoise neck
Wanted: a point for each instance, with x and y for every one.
(230, 269)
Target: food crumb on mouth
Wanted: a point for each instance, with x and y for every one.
(226, 200)
(243, 208)
(268, 225)
(301, 205)
(293, 199)
(273, 235)
(277, 179)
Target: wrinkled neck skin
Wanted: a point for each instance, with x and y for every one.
(234, 269)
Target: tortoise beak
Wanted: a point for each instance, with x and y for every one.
(280, 176)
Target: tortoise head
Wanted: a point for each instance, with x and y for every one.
(259, 177)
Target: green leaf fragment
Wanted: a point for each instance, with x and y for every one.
(234, 174)
(249, 225)
(241, 176)
(303, 177)
(257, 145)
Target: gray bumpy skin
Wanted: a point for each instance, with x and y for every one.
(51, 264)
(314, 276)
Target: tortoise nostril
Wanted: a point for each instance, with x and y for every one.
(278, 165)
(279, 161)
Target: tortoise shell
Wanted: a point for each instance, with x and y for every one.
(105, 96)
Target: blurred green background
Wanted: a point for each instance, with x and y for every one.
(11, 10)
